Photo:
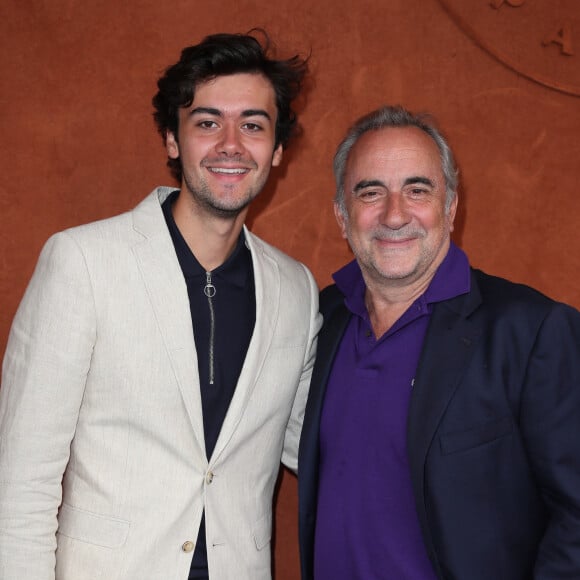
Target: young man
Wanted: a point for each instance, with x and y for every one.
(157, 368)
(442, 435)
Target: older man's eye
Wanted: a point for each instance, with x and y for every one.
(368, 195)
(418, 192)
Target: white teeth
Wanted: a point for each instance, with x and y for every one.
(229, 171)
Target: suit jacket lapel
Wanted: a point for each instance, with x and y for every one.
(449, 344)
(167, 291)
(267, 284)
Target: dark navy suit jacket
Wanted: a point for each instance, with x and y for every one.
(493, 434)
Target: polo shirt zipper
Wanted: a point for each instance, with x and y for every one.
(209, 291)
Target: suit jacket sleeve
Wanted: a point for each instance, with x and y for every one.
(292, 437)
(44, 374)
(550, 421)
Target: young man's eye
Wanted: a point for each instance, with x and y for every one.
(207, 124)
(252, 127)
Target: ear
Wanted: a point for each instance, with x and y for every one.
(341, 219)
(277, 157)
(172, 145)
(452, 212)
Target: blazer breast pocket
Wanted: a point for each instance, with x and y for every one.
(456, 441)
(92, 528)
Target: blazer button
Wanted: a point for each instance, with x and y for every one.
(209, 477)
(187, 546)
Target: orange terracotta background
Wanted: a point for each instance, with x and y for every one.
(502, 77)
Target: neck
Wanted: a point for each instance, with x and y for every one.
(387, 299)
(211, 238)
(386, 302)
(384, 311)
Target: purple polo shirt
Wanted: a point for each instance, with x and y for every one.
(367, 526)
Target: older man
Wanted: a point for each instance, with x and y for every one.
(442, 431)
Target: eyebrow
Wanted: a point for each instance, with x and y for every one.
(419, 179)
(205, 111)
(368, 183)
(218, 113)
(256, 112)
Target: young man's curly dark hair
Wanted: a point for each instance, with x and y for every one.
(220, 55)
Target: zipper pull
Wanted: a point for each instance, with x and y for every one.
(209, 288)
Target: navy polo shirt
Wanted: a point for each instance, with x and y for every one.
(223, 312)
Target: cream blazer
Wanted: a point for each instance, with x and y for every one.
(103, 472)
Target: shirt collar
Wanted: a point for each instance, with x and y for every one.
(235, 270)
(451, 279)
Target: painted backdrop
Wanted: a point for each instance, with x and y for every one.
(501, 76)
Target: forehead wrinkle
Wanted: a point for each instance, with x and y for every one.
(397, 154)
(396, 157)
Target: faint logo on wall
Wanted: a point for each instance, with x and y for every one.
(539, 39)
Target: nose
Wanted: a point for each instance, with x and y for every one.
(230, 142)
(395, 214)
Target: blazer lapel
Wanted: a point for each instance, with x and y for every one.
(267, 284)
(449, 344)
(167, 291)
